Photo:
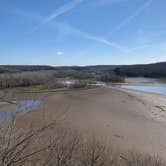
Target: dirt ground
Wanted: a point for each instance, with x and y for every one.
(128, 120)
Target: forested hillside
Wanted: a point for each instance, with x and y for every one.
(156, 70)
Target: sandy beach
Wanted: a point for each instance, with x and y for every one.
(128, 119)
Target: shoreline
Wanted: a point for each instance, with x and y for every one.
(149, 98)
(139, 91)
(129, 119)
(156, 103)
(134, 83)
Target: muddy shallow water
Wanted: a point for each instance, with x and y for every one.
(157, 86)
(19, 108)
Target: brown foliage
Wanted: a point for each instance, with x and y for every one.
(53, 145)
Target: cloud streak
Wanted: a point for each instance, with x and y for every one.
(161, 45)
(59, 53)
(107, 2)
(71, 30)
(131, 17)
(106, 42)
(58, 12)
(13, 10)
(67, 29)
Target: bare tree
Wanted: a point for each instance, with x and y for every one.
(54, 145)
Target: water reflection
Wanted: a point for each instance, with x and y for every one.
(24, 106)
(156, 85)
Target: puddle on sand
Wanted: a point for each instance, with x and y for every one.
(24, 106)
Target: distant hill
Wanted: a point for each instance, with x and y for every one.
(150, 70)
(147, 70)
(95, 67)
(24, 76)
(20, 68)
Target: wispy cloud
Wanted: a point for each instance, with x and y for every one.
(148, 39)
(107, 2)
(158, 46)
(22, 13)
(59, 53)
(142, 47)
(105, 41)
(72, 30)
(67, 29)
(131, 17)
(58, 12)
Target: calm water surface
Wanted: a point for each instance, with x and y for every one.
(158, 86)
(26, 106)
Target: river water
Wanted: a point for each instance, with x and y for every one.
(24, 106)
(156, 85)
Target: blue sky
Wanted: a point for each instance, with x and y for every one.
(82, 32)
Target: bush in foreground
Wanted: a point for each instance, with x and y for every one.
(52, 145)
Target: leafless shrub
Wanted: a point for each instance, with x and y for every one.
(93, 153)
(64, 149)
(53, 145)
(137, 159)
(9, 80)
(18, 146)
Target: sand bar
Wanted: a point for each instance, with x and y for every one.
(131, 120)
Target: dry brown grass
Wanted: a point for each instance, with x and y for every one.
(52, 145)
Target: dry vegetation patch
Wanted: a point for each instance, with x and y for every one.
(53, 145)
